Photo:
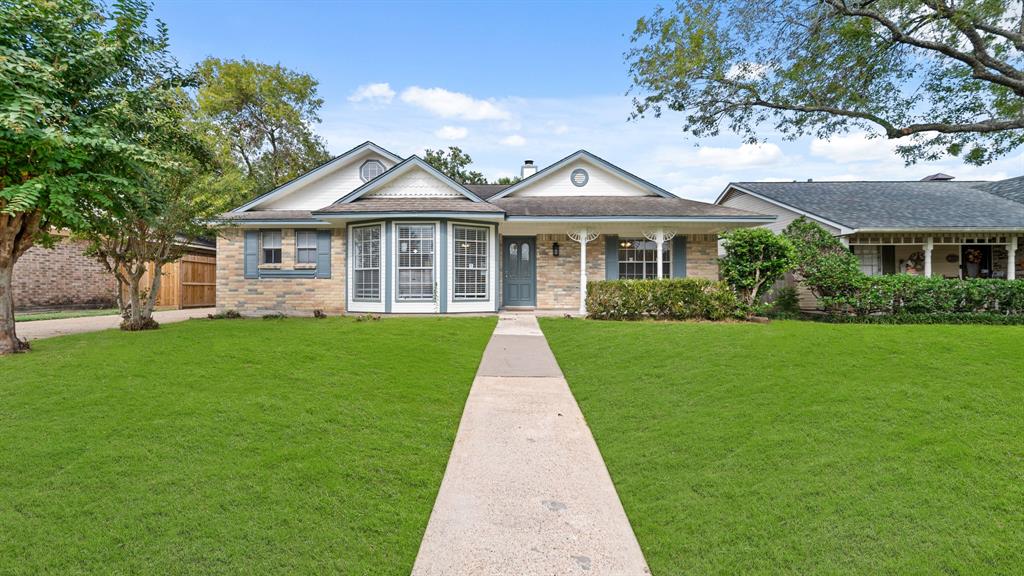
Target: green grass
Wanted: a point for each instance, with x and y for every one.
(62, 314)
(231, 447)
(805, 448)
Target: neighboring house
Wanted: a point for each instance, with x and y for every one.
(936, 226)
(63, 277)
(371, 232)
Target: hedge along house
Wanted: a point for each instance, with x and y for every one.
(370, 232)
(931, 227)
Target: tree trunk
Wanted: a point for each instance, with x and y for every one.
(136, 319)
(9, 342)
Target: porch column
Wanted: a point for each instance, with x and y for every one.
(583, 236)
(1011, 253)
(659, 237)
(928, 245)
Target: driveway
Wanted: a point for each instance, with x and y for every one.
(48, 328)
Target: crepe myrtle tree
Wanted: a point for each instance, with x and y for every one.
(75, 79)
(755, 258)
(939, 77)
(168, 206)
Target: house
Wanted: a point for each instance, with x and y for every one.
(932, 227)
(371, 232)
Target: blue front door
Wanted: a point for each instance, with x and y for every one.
(520, 265)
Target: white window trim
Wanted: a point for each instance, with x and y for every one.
(488, 255)
(366, 305)
(315, 247)
(668, 259)
(414, 306)
(383, 169)
(487, 305)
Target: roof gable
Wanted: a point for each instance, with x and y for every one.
(602, 178)
(324, 183)
(411, 178)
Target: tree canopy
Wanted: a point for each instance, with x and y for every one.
(78, 81)
(944, 78)
(261, 117)
(455, 164)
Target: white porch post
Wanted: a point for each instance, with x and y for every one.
(1011, 265)
(583, 236)
(928, 245)
(659, 237)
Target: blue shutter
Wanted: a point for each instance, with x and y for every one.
(323, 253)
(679, 257)
(252, 253)
(611, 257)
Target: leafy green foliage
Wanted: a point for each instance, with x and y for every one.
(668, 299)
(821, 261)
(455, 164)
(941, 78)
(901, 294)
(786, 302)
(755, 258)
(260, 119)
(953, 318)
(807, 448)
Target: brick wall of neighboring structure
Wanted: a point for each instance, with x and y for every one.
(293, 296)
(702, 256)
(62, 277)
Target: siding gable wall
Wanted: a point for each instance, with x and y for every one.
(325, 190)
(601, 182)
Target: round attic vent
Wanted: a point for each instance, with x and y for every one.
(579, 177)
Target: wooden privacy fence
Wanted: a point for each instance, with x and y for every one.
(190, 282)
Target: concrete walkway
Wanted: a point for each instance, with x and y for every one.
(49, 328)
(526, 491)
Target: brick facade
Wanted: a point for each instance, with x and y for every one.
(62, 277)
(558, 278)
(292, 296)
(702, 256)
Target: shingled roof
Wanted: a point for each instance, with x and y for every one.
(617, 206)
(892, 205)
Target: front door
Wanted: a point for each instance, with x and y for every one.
(520, 265)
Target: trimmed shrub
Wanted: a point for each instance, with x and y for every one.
(755, 258)
(822, 263)
(786, 302)
(940, 318)
(909, 294)
(669, 299)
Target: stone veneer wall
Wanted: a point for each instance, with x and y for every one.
(702, 256)
(558, 279)
(62, 277)
(292, 296)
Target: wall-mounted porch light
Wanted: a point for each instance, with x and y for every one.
(554, 249)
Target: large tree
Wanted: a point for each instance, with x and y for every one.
(75, 81)
(944, 78)
(262, 116)
(455, 164)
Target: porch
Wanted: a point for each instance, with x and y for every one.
(939, 253)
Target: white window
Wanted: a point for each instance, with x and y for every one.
(366, 263)
(870, 259)
(305, 246)
(469, 251)
(638, 259)
(371, 169)
(415, 262)
(270, 244)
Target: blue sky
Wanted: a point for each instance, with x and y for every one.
(507, 81)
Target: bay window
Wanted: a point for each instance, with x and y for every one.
(415, 262)
(366, 262)
(469, 259)
(638, 259)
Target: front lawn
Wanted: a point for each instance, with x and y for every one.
(232, 446)
(806, 448)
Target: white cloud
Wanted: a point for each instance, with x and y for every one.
(514, 140)
(558, 128)
(746, 155)
(451, 133)
(448, 104)
(856, 147)
(380, 92)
